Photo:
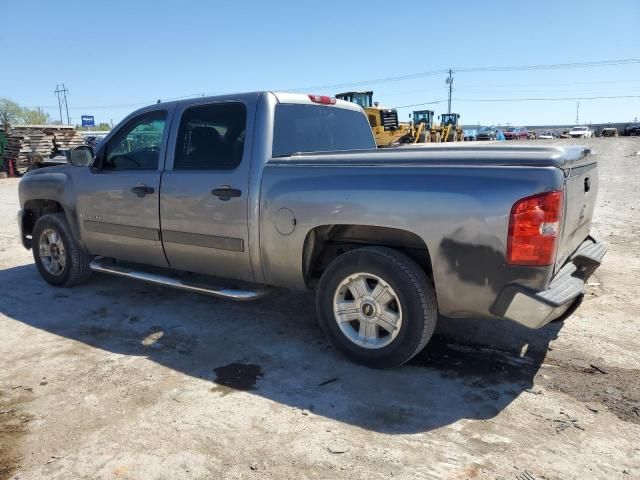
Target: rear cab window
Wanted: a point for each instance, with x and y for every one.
(319, 128)
(211, 137)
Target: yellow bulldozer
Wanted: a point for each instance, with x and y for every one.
(387, 130)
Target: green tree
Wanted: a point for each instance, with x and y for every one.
(35, 116)
(104, 127)
(10, 112)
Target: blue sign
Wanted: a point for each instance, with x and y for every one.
(88, 121)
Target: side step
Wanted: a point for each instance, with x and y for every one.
(107, 265)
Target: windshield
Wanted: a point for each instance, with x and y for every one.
(579, 129)
(486, 130)
(421, 117)
(511, 129)
(316, 128)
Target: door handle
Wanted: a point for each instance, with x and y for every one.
(225, 192)
(142, 190)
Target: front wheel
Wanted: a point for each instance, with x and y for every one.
(377, 306)
(60, 259)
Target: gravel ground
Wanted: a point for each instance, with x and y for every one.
(117, 379)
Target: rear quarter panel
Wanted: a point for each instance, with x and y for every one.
(461, 213)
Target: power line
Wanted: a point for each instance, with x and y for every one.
(376, 81)
(508, 68)
(547, 99)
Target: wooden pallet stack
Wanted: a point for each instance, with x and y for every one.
(25, 141)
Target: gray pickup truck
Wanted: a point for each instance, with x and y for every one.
(230, 195)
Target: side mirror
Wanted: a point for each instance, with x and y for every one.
(80, 156)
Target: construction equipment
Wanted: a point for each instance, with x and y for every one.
(450, 128)
(424, 128)
(387, 130)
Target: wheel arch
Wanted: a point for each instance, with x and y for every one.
(324, 243)
(35, 208)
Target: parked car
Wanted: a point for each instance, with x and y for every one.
(516, 133)
(547, 136)
(289, 190)
(487, 133)
(609, 132)
(580, 132)
(632, 130)
(470, 135)
(93, 140)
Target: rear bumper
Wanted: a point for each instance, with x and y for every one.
(535, 309)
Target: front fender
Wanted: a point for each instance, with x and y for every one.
(53, 184)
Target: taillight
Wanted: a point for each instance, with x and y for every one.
(534, 228)
(323, 99)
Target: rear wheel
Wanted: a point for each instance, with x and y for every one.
(59, 258)
(376, 306)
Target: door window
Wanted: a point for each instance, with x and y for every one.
(136, 146)
(211, 137)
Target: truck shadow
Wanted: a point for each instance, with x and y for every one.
(273, 348)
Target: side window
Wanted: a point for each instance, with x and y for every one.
(211, 137)
(136, 146)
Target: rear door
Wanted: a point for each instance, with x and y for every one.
(118, 198)
(204, 199)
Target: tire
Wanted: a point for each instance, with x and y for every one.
(393, 275)
(72, 261)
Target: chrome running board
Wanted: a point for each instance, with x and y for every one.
(107, 265)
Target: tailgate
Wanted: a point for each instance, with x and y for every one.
(580, 190)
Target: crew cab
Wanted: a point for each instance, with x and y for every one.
(233, 195)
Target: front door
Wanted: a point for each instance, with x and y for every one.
(118, 199)
(204, 197)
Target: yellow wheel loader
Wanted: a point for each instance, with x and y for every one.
(450, 128)
(387, 130)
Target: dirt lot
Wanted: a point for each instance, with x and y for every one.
(117, 379)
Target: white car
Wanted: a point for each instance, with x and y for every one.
(580, 132)
(546, 136)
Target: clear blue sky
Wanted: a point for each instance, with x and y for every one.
(116, 56)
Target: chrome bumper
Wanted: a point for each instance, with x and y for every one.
(535, 309)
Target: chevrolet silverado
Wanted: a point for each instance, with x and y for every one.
(232, 195)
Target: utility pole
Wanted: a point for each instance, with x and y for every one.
(61, 91)
(578, 113)
(449, 81)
